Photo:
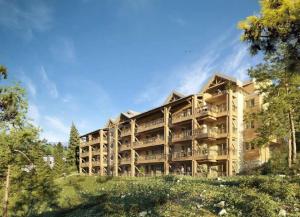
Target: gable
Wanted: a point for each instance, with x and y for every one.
(173, 97)
(218, 80)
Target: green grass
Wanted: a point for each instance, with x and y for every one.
(177, 196)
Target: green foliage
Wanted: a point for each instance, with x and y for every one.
(278, 23)
(73, 148)
(177, 196)
(3, 72)
(59, 162)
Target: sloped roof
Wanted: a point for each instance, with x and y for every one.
(173, 96)
(130, 113)
(221, 76)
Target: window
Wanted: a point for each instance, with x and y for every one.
(250, 124)
(249, 146)
(250, 103)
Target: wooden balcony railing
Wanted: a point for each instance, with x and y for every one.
(149, 142)
(124, 147)
(181, 155)
(210, 154)
(200, 133)
(126, 132)
(150, 125)
(96, 163)
(185, 135)
(85, 164)
(84, 154)
(94, 141)
(206, 112)
(150, 158)
(182, 116)
(123, 161)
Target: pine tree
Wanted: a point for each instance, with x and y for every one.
(73, 148)
(280, 88)
(59, 163)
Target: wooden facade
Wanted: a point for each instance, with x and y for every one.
(203, 134)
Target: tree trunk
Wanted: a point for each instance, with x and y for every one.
(289, 153)
(293, 137)
(6, 192)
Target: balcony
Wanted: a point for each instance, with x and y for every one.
(182, 116)
(208, 114)
(94, 141)
(126, 132)
(151, 125)
(206, 155)
(182, 155)
(151, 158)
(124, 161)
(96, 163)
(96, 151)
(85, 164)
(84, 154)
(124, 147)
(183, 136)
(149, 142)
(216, 96)
(205, 134)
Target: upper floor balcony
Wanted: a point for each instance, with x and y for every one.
(159, 140)
(210, 154)
(182, 136)
(84, 154)
(157, 123)
(181, 155)
(182, 116)
(206, 113)
(85, 164)
(124, 147)
(151, 158)
(205, 134)
(215, 96)
(124, 161)
(95, 162)
(125, 132)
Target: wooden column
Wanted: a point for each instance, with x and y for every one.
(166, 139)
(80, 158)
(132, 151)
(101, 137)
(90, 156)
(229, 132)
(194, 124)
(116, 151)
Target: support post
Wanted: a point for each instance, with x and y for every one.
(90, 156)
(101, 136)
(229, 133)
(132, 151)
(166, 139)
(194, 121)
(116, 150)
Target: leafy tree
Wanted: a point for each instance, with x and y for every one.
(28, 182)
(281, 93)
(3, 72)
(59, 162)
(73, 149)
(278, 23)
(276, 33)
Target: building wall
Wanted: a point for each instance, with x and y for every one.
(200, 135)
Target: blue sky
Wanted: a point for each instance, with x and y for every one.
(88, 60)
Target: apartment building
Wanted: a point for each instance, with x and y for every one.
(204, 134)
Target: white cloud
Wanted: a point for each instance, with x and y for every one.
(56, 124)
(63, 50)
(50, 85)
(34, 113)
(33, 16)
(223, 56)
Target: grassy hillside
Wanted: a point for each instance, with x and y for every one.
(178, 196)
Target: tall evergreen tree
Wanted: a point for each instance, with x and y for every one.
(275, 32)
(59, 162)
(73, 148)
